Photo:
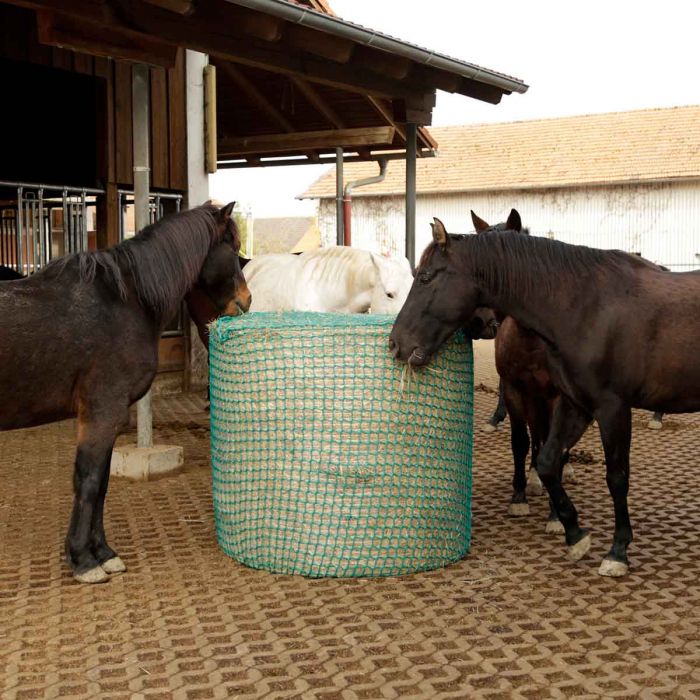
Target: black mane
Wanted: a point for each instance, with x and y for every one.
(513, 263)
(162, 261)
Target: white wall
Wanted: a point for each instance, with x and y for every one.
(660, 221)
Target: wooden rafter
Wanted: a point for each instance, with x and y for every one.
(395, 67)
(385, 111)
(304, 140)
(316, 100)
(272, 113)
(256, 97)
(310, 41)
(65, 31)
(181, 7)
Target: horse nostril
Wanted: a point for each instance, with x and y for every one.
(393, 348)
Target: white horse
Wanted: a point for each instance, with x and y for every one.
(340, 279)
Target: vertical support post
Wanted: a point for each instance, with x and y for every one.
(339, 227)
(140, 92)
(411, 131)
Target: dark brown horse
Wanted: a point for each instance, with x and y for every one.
(80, 338)
(527, 392)
(620, 333)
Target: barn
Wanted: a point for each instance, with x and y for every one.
(627, 180)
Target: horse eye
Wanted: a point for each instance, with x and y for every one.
(424, 277)
(390, 295)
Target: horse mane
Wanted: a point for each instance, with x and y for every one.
(162, 261)
(507, 262)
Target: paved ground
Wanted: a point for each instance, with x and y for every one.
(514, 619)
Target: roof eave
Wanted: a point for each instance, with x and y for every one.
(376, 40)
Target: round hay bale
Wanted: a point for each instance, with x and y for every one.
(330, 458)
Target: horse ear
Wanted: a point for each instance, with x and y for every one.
(479, 224)
(225, 212)
(440, 233)
(514, 223)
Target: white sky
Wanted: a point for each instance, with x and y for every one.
(577, 58)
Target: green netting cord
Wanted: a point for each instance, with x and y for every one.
(331, 459)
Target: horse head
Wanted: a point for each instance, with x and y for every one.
(221, 279)
(393, 283)
(484, 324)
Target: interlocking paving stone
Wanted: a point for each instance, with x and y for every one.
(515, 619)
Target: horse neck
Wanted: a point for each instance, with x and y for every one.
(514, 287)
(163, 264)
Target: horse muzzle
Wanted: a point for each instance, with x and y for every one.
(416, 358)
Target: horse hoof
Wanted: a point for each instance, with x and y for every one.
(114, 566)
(580, 549)
(568, 476)
(94, 575)
(653, 425)
(554, 527)
(611, 567)
(518, 509)
(488, 428)
(534, 488)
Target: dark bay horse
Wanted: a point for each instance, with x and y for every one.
(80, 338)
(620, 333)
(526, 390)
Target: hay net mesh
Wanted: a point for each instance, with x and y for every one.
(331, 459)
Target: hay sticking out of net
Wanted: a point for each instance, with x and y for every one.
(327, 460)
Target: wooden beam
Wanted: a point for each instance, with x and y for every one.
(481, 91)
(255, 96)
(180, 7)
(258, 99)
(325, 45)
(385, 111)
(304, 140)
(228, 42)
(65, 31)
(381, 62)
(316, 100)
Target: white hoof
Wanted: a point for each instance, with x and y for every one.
(488, 428)
(534, 484)
(114, 566)
(653, 425)
(580, 549)
(517, 509)
(610, 567)
(96, 575)
(568, 476)
(554, 527)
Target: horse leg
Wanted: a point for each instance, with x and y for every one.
(656, 421)
(568, 425)
(108, 559)
(96, 438)
(616, 433)
(539, 429)
(499, 414)
(520, 444)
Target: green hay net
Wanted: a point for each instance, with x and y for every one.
(330, 458)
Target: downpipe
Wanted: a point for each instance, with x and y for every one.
(347, 198)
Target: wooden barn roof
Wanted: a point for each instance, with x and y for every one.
(293, 79)
(596, 149)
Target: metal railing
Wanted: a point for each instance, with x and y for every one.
(42, 222)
